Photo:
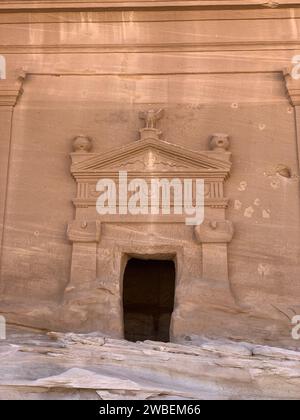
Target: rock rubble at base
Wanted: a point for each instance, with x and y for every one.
(92, 366)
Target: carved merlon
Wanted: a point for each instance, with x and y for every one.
(214, 231)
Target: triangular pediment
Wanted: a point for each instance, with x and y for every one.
(153, 156)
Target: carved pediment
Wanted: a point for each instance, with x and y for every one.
(151, 156)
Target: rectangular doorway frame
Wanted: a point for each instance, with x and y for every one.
(155, 252)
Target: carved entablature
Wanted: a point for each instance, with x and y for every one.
(148, 158)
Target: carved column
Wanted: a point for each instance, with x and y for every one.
(85, 236)
(214, 235)
(84, 233)
(293, 90)
(9, 93)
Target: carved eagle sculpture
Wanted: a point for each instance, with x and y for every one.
(151, 117)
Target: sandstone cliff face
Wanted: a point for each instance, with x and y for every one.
(92, 71)
(74, 366)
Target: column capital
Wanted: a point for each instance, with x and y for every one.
(292, 86)
(214, 231)
(8, 95)
(11, 90)
(84, 231)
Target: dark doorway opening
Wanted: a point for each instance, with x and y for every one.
(148, 299)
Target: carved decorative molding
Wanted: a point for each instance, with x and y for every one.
(10, 91)
(100, 4)
(270, 45)
(9, 94)
(293, 87)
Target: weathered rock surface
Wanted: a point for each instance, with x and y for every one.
(227, 80)
(73, 366)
